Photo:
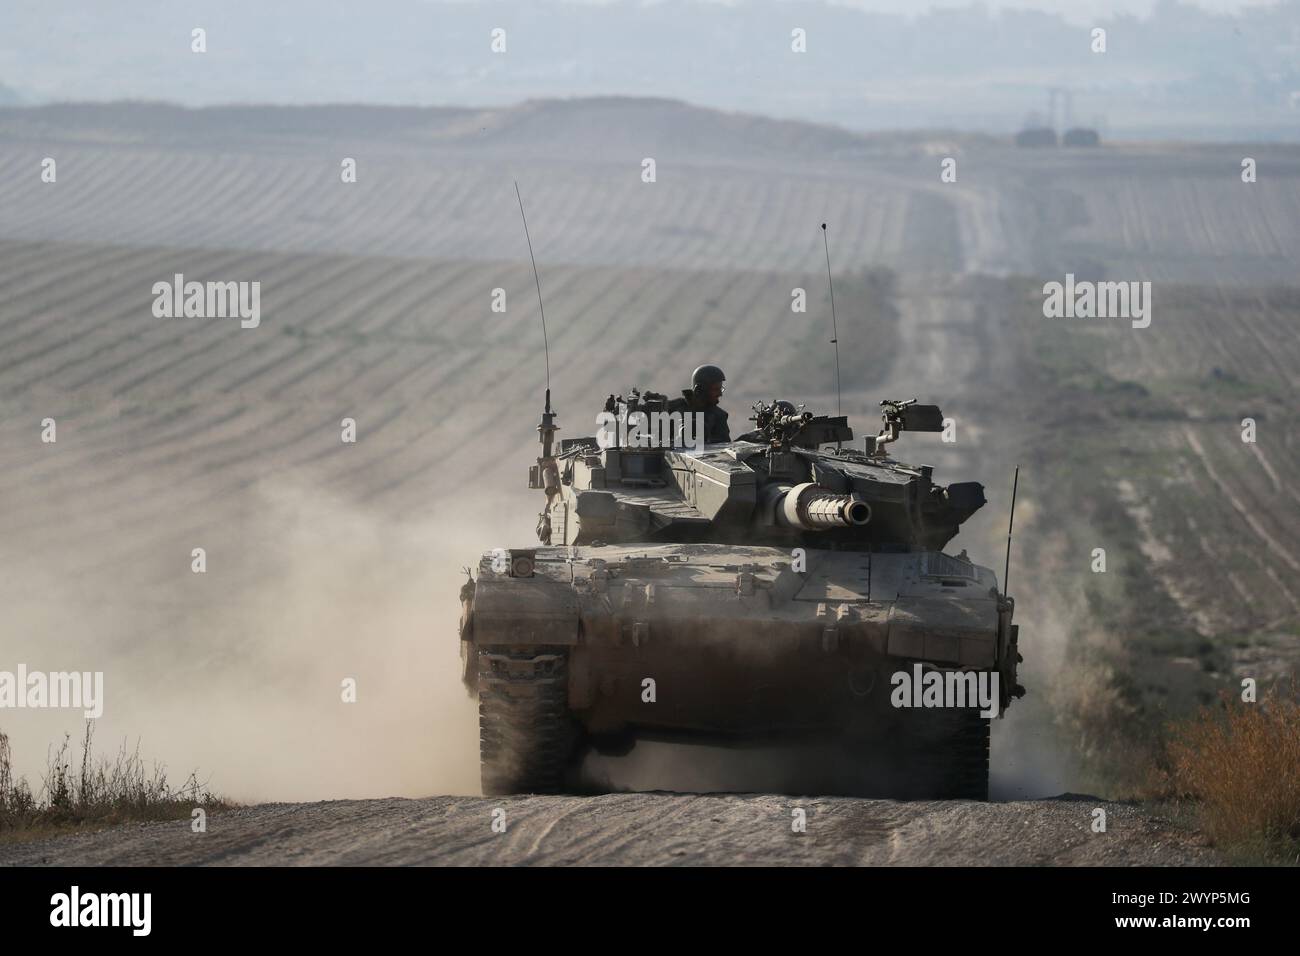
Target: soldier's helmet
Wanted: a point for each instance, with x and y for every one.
(707, 375)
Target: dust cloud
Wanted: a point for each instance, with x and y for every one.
(238, 672)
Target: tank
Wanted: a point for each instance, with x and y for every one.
(783, 589)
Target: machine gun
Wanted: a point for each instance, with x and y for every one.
(900, 416)
(777, 423)
(781, 425)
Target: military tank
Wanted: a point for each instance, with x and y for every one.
(782, 588)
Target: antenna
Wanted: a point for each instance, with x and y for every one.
(546, 348)
(835, 329)
(547, 428)
(1006, 571)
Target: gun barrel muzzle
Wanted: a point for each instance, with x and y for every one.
(811, 507)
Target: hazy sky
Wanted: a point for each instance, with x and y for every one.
(1187, 70)
(1071, 9)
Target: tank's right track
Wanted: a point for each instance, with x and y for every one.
(949, 759)
(526, 733)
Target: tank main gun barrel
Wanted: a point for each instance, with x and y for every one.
(810, 507)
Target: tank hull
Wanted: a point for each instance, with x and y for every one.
(729, 644)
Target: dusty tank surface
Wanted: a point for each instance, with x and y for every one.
(781, 588)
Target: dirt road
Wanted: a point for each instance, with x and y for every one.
(652, 829)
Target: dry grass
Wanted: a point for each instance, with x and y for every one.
(1239, 765)
(81, 789)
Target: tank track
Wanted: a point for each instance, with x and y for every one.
(527, 737)
(951, 761)
(922, 755)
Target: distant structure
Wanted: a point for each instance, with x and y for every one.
(1039, 132)
(1036, 133)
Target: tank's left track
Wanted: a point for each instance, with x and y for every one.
(527, 737)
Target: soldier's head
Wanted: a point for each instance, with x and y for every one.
(706, 381)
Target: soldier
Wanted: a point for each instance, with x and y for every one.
(703, 396)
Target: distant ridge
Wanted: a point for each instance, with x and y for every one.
(162, 120)
(9, 96)
(611, 125)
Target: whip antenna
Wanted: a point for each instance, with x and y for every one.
(1006, 571)
(537, 279)
(835, 329)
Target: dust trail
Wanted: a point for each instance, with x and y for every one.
(238, 672)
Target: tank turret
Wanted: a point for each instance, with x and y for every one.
(637, 479)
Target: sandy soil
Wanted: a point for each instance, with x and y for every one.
(648, 829)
